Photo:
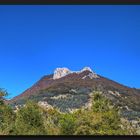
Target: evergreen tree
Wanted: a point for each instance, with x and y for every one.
(29, 120)
(3, 93)
(7, 115)
(67, 124)
(102, 119)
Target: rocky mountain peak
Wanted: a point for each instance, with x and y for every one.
(60, 72)
(86, 69)
(91, 75)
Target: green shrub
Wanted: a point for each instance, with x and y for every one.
(67, 124)
(29, 120)
(7, 120)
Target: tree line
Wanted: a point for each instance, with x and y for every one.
(103, 118)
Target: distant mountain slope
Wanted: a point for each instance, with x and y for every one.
(70, 90)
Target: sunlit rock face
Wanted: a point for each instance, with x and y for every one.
(91, 75)
(86, 68)
(60, 72)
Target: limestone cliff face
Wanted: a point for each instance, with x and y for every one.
(91, 75)
(86, 68)
(60, 72)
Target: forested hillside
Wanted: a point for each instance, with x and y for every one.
(102, 118)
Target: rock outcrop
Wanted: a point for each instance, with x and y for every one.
(91, 76)
(60, 72)
(86, 68)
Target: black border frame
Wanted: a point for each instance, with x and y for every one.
(70, 2)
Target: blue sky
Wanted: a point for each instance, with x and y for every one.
(34, 40)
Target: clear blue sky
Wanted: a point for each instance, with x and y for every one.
(34, 40)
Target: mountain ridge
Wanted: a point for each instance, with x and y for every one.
(76, 91)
